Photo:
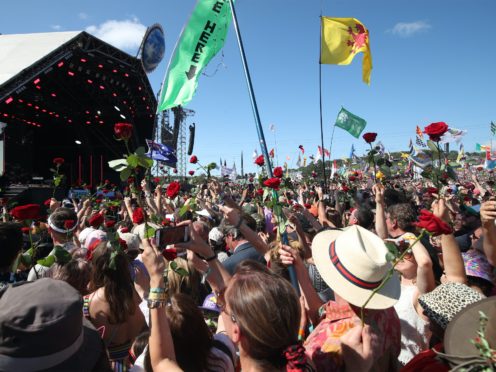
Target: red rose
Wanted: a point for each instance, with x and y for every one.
(436, 130)
(109, 224)
(156, 180)
(250, 179)
(138, 216)
(308, 206)
(191, 172)
(47, 202)
(25, 230)
(260, 160)
(69, 224)
(345, 188)
(26, 212)
(124, 230)
(123, 131)
(314, 174)
(352, 178)
(278, 172)
(193, 159)
(173, 189)
(96, 220)
(58, 161)
(273, 183)
(260, 192)
(130, 180)
(166, 222)
(432, 224)
(432, 190)
(369, 137)
(169, 254)
(122, 243)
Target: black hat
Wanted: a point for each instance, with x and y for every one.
(42, 329)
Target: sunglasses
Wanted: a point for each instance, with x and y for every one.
(221, 302)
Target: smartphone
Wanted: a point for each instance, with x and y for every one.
(171, 235)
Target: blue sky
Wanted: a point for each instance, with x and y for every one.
(434, 60)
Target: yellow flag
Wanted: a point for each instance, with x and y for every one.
(342, 39)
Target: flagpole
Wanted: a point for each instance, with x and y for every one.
(330, 146)
(261, 137)
(320, 106)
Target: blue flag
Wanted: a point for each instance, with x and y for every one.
(162, 153)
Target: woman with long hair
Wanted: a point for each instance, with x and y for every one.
(261, 314)
(113, 306)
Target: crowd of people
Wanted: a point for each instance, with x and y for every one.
(290, 275)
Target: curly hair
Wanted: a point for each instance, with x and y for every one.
(404, 214)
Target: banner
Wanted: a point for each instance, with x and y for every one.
(201, 39)
(351, 123)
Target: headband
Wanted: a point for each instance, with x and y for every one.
(58, 229)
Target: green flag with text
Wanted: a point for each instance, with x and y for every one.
(351, 123)
(201, 39)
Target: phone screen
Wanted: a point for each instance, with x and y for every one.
(172, 235)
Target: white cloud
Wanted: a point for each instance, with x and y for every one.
(404, 29)
(126, 34)
(83, 15)
(56, 27)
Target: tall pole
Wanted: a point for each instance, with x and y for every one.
(320, 105)
(261, 137)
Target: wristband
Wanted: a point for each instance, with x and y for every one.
(239, 223)
(211, 258)
(157, 290)
(152, 304)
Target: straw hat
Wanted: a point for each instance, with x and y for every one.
(353, 263)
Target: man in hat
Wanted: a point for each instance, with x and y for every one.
(353, 264)
(42, 329)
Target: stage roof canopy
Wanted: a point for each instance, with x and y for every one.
(59, 87)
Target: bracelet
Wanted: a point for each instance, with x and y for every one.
(239, 222)
(157, 290)
(152, 304)
(211, 258)
(157, 296)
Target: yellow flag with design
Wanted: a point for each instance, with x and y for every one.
(342, 39)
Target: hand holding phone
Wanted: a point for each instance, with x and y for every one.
(171, 235)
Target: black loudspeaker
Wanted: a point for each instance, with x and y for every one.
(191, 138)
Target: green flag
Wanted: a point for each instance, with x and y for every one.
(201, 39)
(493, 128)
(351, 123)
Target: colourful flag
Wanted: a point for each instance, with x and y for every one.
(201, 39)
(419, 132)
(351, 123)
(461, 154)
(410, 146)
(342, 39)
(327, 153)
(271, 153)
(302, 149)
(162, 153)
(479, 147)
(453, 135)
(420, 142)
(493, 128)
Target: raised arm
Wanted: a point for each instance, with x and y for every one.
(454, 268)
(380, 211)
(162, 354)
(488, 217)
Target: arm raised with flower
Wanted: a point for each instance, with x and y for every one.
(454, 268)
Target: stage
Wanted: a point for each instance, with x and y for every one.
(60, 95)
